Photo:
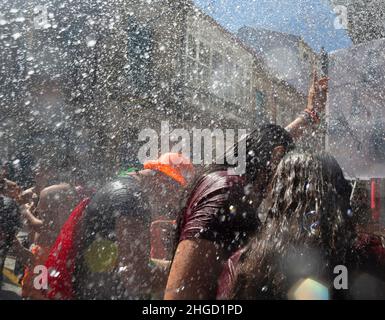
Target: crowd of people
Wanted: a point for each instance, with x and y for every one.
(177, 231)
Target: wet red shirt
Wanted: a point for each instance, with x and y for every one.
(220, 210)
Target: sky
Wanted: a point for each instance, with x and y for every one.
(311, 19)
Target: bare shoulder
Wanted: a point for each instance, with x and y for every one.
(57, 189)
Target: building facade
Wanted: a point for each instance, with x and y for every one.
(286, 57)
(88, 77)
(288, 61)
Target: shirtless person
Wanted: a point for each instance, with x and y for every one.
(53, 208)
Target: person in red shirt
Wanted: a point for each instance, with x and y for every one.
(219, 215)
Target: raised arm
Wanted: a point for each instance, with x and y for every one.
(316, 103)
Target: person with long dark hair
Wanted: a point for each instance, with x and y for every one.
(219, 211)
(309, 232)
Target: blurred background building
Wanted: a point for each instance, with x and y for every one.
(82, 79)
(287, 57)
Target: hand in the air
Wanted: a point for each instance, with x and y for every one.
(26, 196)
(318, 93)
(11, 189)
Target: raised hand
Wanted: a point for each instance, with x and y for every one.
(318, 91)
(11, 189)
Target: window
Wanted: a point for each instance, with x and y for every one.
(260, 103)
(247, 86)
(204, 75)
(139, 52)
(238, 72)
(204, 54)
(217, 60)
(239, 85)
(198, 63)
(247, 91)
(191, 46)
(229, 67)
(192, 72)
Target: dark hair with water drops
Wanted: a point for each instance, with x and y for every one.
(260, 145)
(308, 230)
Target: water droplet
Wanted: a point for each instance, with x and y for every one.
(16, 35)
(91, 43)
(264, 289)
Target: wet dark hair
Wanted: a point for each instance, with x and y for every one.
(121, 197)
(307, 233)
(260, 145)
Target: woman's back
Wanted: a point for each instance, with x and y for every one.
(308, 234)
